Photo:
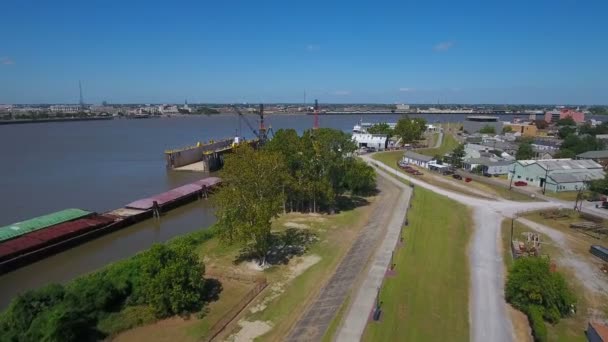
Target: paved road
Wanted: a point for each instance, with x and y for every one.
(489, 320)
(316, 319)
(356, 318)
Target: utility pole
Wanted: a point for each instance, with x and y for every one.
(546, 176)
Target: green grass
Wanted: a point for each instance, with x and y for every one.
(565, 195)
(447, 145)
(130, 317)
(335, 322)
(284, 311)
(427, 300)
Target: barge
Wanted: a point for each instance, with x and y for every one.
(32, 240)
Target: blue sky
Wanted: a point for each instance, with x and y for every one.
(337, 51)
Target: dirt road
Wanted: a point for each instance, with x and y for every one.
(488, 317)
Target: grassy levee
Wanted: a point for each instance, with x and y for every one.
(447, 145)
(428, 298)
(336, 234)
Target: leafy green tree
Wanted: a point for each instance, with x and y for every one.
(487, 129)
(600, 186)
(410, 130)
(171, 280)
(565, 131)
(599, 110)
(530, 282)
(359, 178)
(252, 197)
(381, 128)
(567, 121)
(524, 152)
(457, 156)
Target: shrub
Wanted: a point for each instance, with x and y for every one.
(539, 329)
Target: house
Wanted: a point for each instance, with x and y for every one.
(557, 174)
(597, 332)
(412, 157)
(554, 115)
(489, 166)
(544, 154)
(377, 141)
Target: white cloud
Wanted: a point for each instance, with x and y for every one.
(444, 46)
(312, 47)
(342, 92)
(6, 61)
(406, 90)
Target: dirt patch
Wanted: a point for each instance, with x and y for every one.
(296, 225)
(250, 330)
(521, 327)
(303, 264)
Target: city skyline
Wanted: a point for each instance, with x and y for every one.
(515, 53)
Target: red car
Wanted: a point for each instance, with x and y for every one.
(520, 183)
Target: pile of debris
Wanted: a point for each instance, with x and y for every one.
(531, 246)
(593, 229)
(555, 214)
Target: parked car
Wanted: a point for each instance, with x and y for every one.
(520, 183)
(455, 176)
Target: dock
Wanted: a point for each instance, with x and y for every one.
(28, 241)
(203, 157)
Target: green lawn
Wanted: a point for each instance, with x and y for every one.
(447, 145)
(428, 298)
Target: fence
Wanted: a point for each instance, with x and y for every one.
(220, 325)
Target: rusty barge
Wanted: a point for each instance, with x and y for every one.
(26, 242)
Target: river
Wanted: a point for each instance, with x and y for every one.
(102, 165)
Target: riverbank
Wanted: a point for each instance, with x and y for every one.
(291, 285)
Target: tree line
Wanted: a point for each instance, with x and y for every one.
(408, 130)
(307, 173)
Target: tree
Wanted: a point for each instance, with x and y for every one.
(381, 128)
(507, 129)
(252, 197)
(600, 186)
(530, 282)
(410, 130)
(567, 121)
(171, 280)
(541, 124)
(524, 151)
(565, 131)
(487, 129)
(360, 178)
(599, 110)
(457, 156)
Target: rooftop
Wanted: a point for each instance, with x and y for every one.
(575, 177)
(594, 155)
(417, 156)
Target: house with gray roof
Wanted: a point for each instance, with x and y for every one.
(557, 174)
(489, 166)
(411, 157)
(598, 156)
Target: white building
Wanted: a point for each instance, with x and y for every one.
(403, 107)
(411, 157)
(69, 109)
(377, 141)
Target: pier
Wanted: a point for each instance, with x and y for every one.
(207, 157)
